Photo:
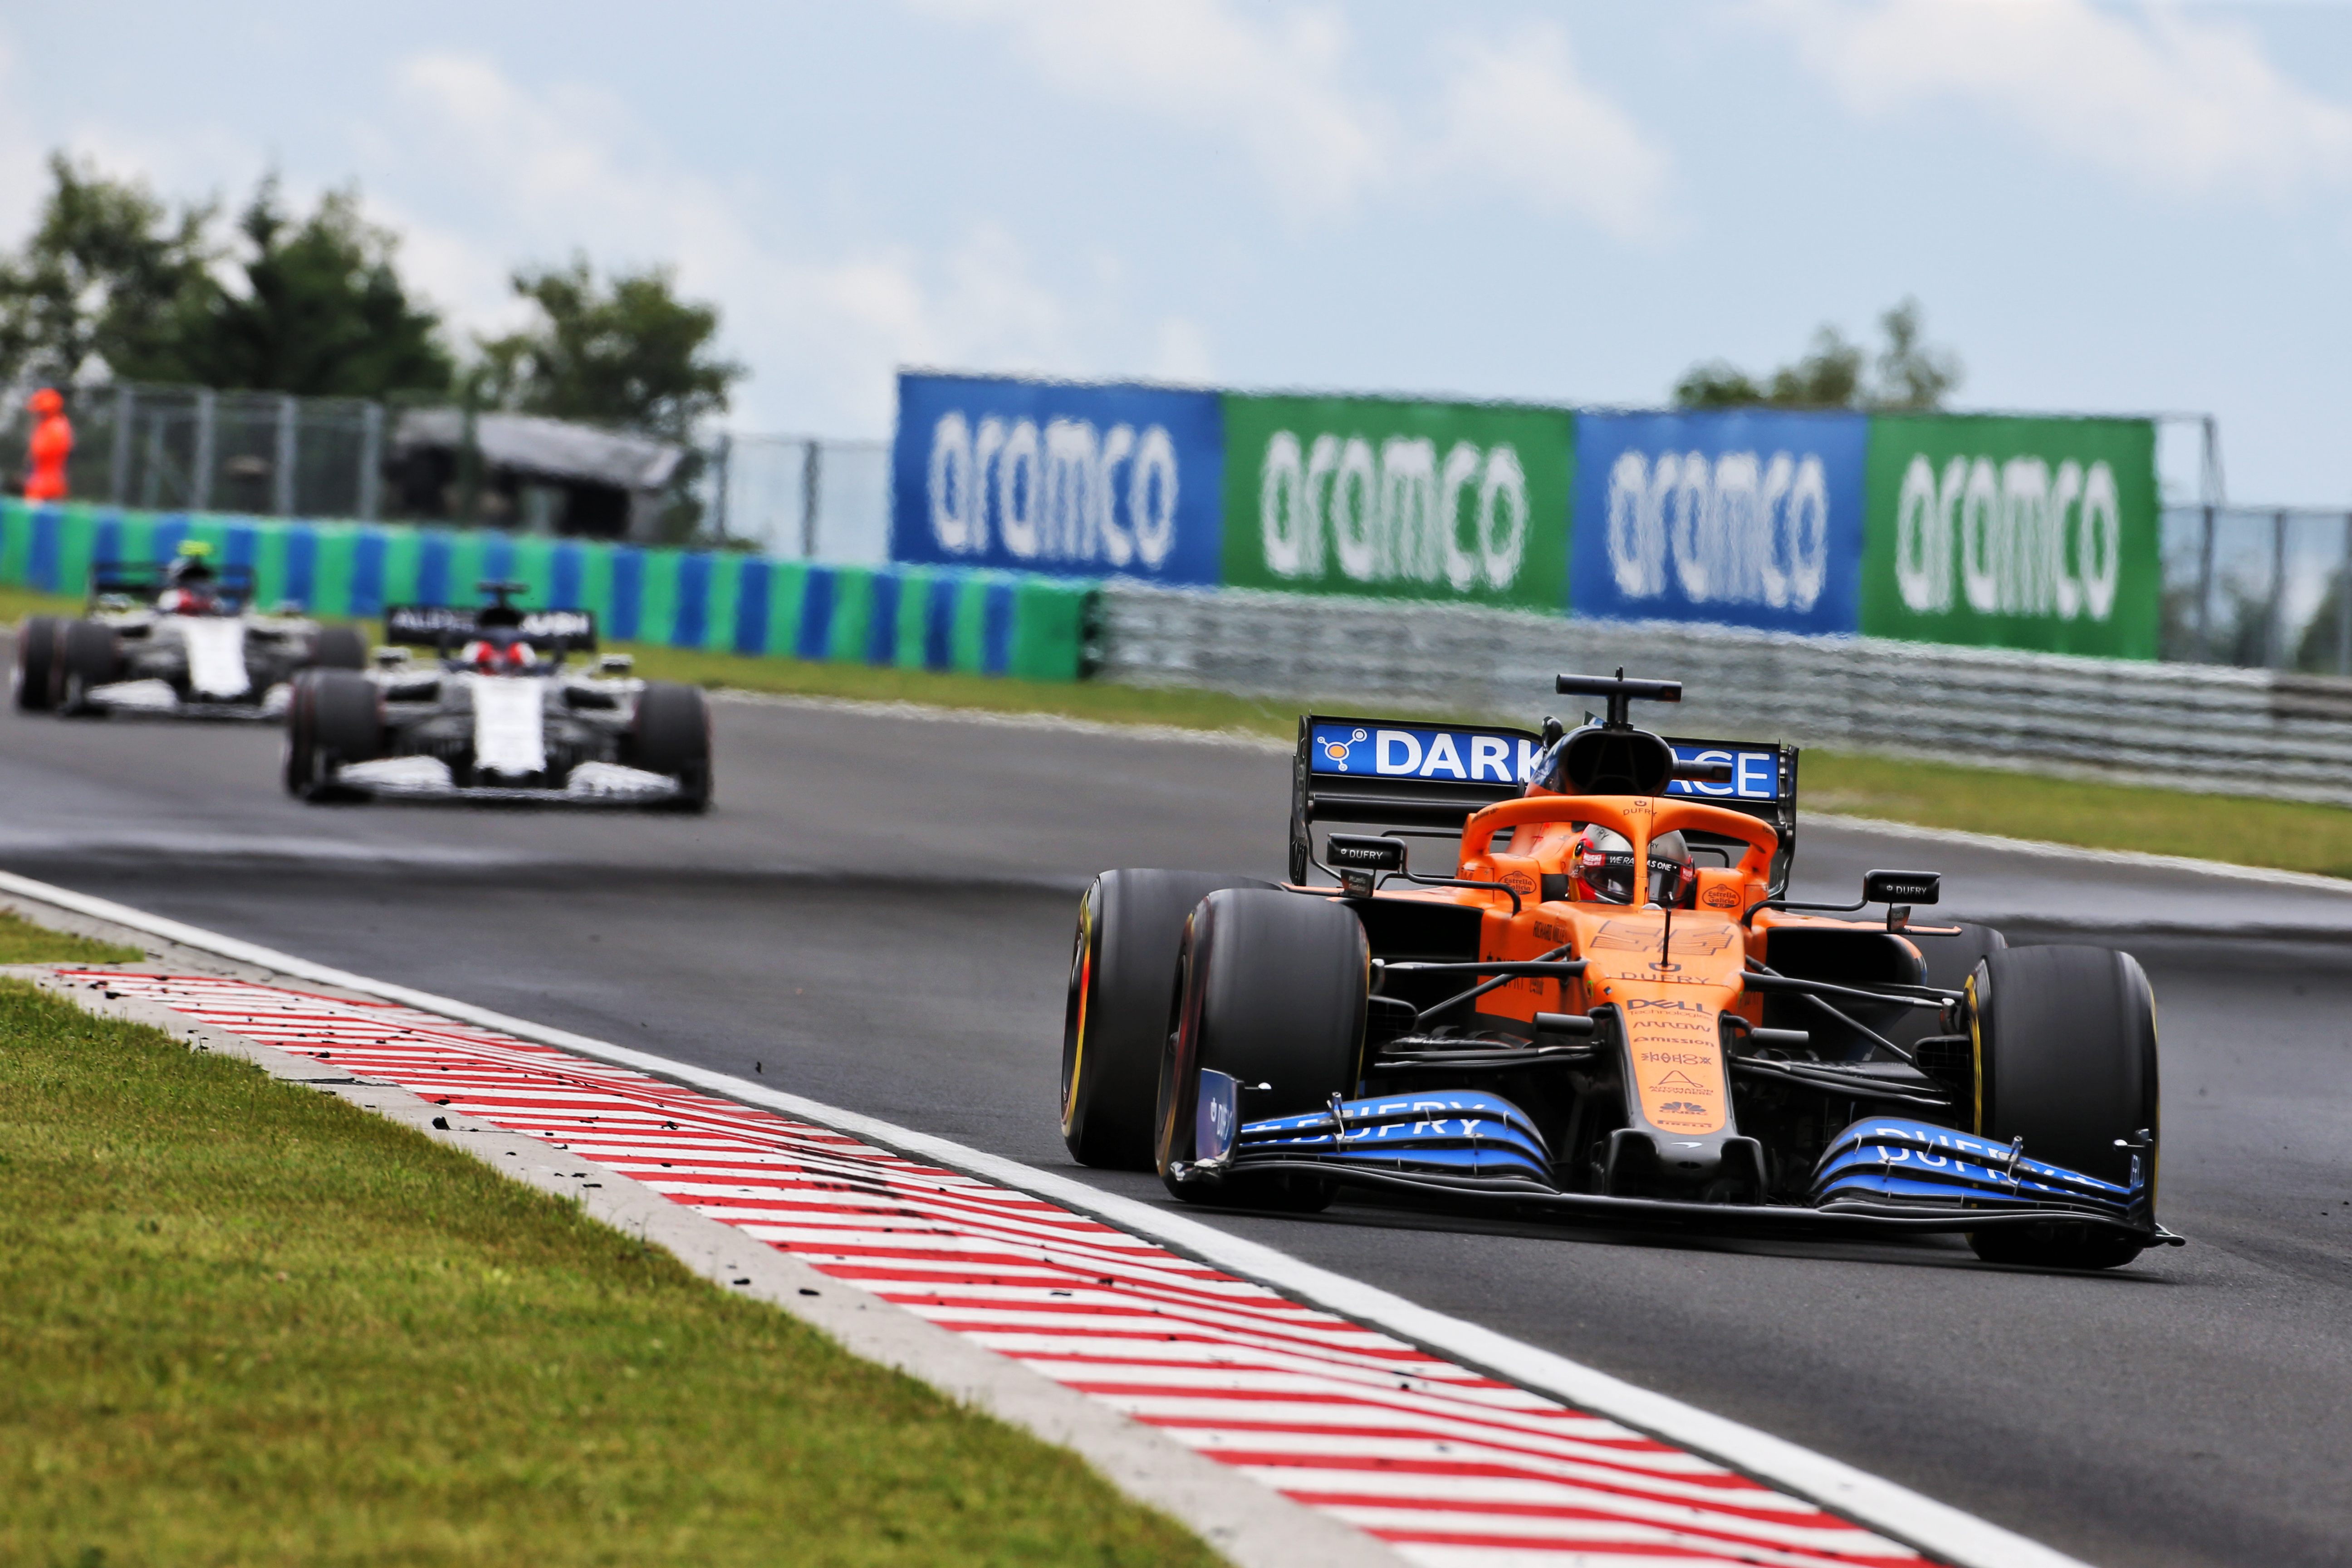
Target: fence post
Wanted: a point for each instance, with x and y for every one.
(812, 487)
(2275, 630)
(722, 453)
(2205, 592)
(2344, 604)
(370, 461)
(126, 424)
(283, 471)
(200, 483)
(151, 489)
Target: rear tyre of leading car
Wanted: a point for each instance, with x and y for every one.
(2066, 1055)
(36, 663)
(672, 737)
(338, 648)
(1115, 1023)
(334, 717)
(1271, 987)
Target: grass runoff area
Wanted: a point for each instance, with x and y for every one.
(2286, 835)
(242, 1321)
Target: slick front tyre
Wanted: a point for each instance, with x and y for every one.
(1270, 988)
(338, 648)
(2066, 1054)
(36, 663)
(1115, 1022)
(672, 736)
(88, 655)
(334, 717)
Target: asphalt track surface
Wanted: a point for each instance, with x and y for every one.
(877, 914)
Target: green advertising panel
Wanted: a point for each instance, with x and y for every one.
(2002, 532)
(1454, 501)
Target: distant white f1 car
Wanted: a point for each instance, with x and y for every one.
(497, 716)
(177, 640)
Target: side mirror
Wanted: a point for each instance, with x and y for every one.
(1359, 859)
(1901, 887)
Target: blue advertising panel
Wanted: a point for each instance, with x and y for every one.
(1747, 518)
(1042, 476)
(1422, 751)
(1468, 755)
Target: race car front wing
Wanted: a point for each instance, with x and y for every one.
(1883, 1174)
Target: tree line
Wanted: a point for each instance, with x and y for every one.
(115, 284)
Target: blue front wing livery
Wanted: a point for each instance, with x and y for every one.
(1882, 1170)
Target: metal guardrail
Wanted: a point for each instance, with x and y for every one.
(2195, 727)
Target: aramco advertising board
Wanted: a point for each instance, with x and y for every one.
(1043, 476)
(1455, 502)
(1999, 530)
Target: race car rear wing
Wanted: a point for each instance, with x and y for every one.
(144, 580)
(444, 627)
(1433, 776)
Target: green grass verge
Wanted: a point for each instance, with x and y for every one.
(22, 942)
(15, 604)
(241, 1321)
(2286, 834)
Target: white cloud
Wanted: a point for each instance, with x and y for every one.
(2176, 103)
(1514, 114)
(1518, 113)
(568, 169)
(1274, 83)
(1183, 353)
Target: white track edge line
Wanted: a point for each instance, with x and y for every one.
(1918, 1521)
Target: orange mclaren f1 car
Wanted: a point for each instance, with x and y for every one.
(1604, 1005)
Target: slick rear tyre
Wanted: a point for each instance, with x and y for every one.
(1115, 1022)
(36, 663)
(88, 655)
(335, 717)
(1272, 988)
(338, 648)
(2066, 1058)
(672, 736)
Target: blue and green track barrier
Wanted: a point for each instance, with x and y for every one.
(905, 617)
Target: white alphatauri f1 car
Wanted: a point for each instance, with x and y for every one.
(497, 716)
(180, 640)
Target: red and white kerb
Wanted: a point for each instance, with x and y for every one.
(1448, 1466)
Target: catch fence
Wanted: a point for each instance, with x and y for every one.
(2258, 587)
(264, 454)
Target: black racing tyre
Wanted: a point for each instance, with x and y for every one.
(2065, 1055)
(338, 648)
(1270, 987)
(335, 717)
(36, 663)
(89, 654)
(1114, 1025)
(1949, 961)
(672, 736)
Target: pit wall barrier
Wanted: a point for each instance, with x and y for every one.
(906, 617)
(2203, 728)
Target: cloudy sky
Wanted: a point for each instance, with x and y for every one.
(2103, 207)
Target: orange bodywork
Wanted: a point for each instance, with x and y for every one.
(1670, 974)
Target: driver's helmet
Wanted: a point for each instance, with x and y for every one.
(192, 567)
(188, 581)
(1601, 869)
